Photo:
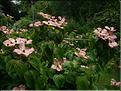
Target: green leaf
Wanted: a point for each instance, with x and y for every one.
(30, 77)
(35, 62)
(17, 67)
(41, 82)
(59, 80)
(71, 77)
(82, 83)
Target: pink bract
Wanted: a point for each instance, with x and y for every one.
(28, 51)
(81, 53)
(25, 52)
(9, 42)
(29, 41)
(21, 40)
(22, 46)
(113, 44)
(3, 28)
(31, 25)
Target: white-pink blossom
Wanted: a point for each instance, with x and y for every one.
(115, 83)
(58, 22)
(113, 44)
(6, 30)
(81, 53)
(20, 40)
(47, 16)
(10, 42)
(23, 40)
(107, 34)
(26, 52)
(29, 41)
(57, 65)
(31, 25)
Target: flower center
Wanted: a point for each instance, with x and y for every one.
(24, 51)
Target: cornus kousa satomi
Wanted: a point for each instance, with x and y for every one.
(58, 22)
(115, 83)
(7, 30)
(57, 65)
(81, 53)
(47, 16)
(13, 42)
(22, 50)
(10, 42)
(21, 42)
(107, 34)
(36, 24)
(20, 87)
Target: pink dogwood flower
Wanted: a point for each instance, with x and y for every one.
(10, 42)
(29, 41)
(22, 46)
(22, 40)
(115, 83)
(112, 37)
(26, 52)
(47, 16)
(6, 30)
(45, 22)
(3, 28)
(38, 24)
(22, 50)
(57, 65)
(112, 44)
(110, 28)
(31, 25)
(20, 87)
(107, 34)
(81, 53)
(57, 22)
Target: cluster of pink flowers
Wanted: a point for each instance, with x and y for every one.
(20, 87)
(107, 34)
(46, 16)
(6, 30)
(58, 22)
(81, 53)
(115, 83)
(36, 24)
(21, 42)
(57, 65)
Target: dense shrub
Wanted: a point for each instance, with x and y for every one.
(47, 52)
